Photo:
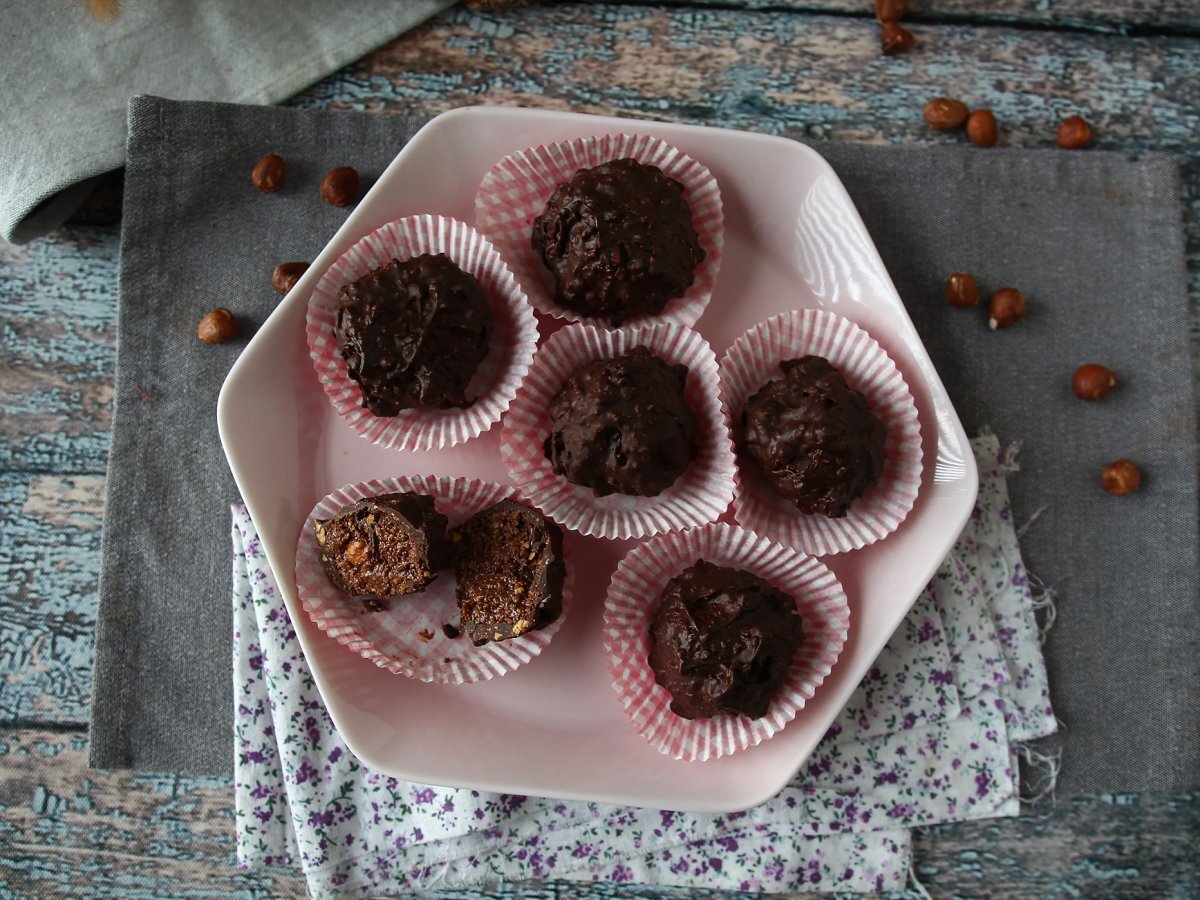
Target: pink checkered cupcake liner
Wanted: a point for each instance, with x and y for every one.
(499, 376)
(754, 360)
(515, 190)
(407, 638)
(632, 602)
(701, 494)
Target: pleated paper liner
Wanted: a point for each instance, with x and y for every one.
(499, 376)
(406, 638)
(754, 360)
(632, 602)
(515, 190)
(701, 494)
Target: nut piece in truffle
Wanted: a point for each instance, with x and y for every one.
(814, 438)
(623, 426)
(722, 641)
(618, 239)
(384, 546)
(510, 568)
(413, 333)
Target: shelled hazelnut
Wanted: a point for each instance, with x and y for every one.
(981, 128)
(890, 10)
(1074, 133)
(340, 186)
(1093, 382)
(1121, 477)
(962, 290)
(945, 113)
(285, 276)
(217, 327)
(1006, 308)
(269, 173)
(894, 39)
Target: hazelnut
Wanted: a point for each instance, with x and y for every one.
(894, 39)
(1074, 133)
(945, 114)
(269, 173)
(1007, 308)
(1121, 477)
(340, 186)
(1093, 382)
(356, 552)
(890, 10)
(981, 128)
(285, 276)
(962, 290)
(217, 327)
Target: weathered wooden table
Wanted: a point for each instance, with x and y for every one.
(812, 67)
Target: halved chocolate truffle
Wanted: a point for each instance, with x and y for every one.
(384, 546)
(623, 426)
(618, 239)
(814, 437)
(722, 641)
(413, 333)
(510, 568)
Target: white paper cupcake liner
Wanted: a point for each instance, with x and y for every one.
(406, 638)
(515, 190)
(633, 599)
(754, 360)
(512, 345)
(701, 494)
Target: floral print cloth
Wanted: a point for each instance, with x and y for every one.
(928, 737)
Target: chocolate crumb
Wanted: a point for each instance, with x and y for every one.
(450, 631)
(426, 634)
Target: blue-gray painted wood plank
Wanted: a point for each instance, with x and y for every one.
(66, 830)
(57, 336)
(49, 567)
(1117, 16)
(785, 68)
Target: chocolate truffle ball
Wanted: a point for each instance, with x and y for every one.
(722, 641)
(510, 568)
(413, 333)
(383, 546)
(622, 425)
(619, 241)
(814, 438)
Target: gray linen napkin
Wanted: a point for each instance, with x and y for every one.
(66, 124)
(1093, 239)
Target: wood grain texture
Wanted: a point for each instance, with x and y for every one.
(788, 67)
(1121, 16)
(49, 572)
(57, 336)
(71, 830)
(780, 72)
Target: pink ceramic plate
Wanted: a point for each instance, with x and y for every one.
(554, 727)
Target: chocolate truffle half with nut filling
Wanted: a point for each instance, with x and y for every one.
(413, 333)
(623, 426)
(814, 437)
(722, 641)
(384, 546)
(509, 561)
(618, 239)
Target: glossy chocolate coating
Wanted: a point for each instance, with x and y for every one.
(413, 333)
(814, 438)
(722, 641)
(384, 546)
(510, 568)
(619, 241)
(622, 425)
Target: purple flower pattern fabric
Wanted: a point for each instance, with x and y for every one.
(927, 738)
